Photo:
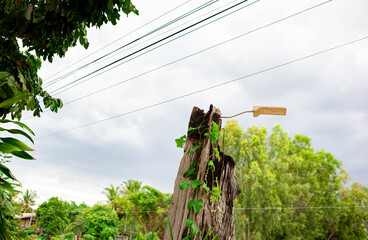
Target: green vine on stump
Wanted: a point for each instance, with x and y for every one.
(215, 192)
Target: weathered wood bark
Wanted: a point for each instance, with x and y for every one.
(209, 217)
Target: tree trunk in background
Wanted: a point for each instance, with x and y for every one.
(209, 217)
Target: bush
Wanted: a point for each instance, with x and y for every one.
(88, 237)
(55, 238)
(69, 236)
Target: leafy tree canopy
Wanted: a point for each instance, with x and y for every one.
(52, 216)
(45, 28)
(290, 190)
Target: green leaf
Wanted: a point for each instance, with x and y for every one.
(19, 124)
(194, 149)
(216, 191)
(17, 143)
(191, 169)
(197, 205)
(9, 205)
(22, 154)
(6, 185)
(9, 102)
(210, 163)
(8, 148)
(171, 234)
(184, 185)
(205, 187)
(195, 229)
(215, 236)
(180, 141)
(17, 131)
(6, 171)
(110, 5)
(217, 153)
(4, 75)
(207, 234)
(191, 129)
(194, 183)
(188, 222)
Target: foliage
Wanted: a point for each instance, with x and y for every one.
(10, 146)
(47, 28)
(14, 229)
(149, 208)
(88, 237)
(28, 200)
(52, 216)
(291, 191)
(148, 236)
(100, 221)
(112, 194)
(214, 191)
(69, 236)
(139, 208)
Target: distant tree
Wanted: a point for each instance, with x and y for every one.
(28, 200)
(101, 222)
(112, 194)
(52, 216)
(149, 208)
(131, 186)
(291, 191)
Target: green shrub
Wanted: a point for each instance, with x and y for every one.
(69, 236)
(88, 237)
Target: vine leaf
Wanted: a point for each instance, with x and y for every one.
(197, 205)
(217, 154)
(205, 187)
(180, 141)
(191, 169)
(191, 224)
(214, 133)
(193, 149)
(184, 185)
(194, 183)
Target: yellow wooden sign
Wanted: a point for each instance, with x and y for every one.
(261, 110)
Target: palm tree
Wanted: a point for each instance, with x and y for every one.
(28, 200)
(112, 193)
(131, 186)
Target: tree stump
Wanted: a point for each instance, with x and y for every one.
(216, 215)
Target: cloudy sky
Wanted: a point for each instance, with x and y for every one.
(325, 94)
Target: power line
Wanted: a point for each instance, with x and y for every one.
(262, 208)
(146, 24)
(176, 27)
(299, 208)
(208, 88)
(190, 55)
(150, 45)
(136, 40)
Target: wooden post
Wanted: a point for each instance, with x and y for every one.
(218, 215)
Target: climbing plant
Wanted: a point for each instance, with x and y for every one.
(210, 184)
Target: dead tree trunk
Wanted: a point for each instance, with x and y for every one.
(216, 215)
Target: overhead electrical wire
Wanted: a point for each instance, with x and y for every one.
(59, 90)
(208, 88)
(133, 41)
(272, 208)
(118, 39)
(196, 53)
(169, 30)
